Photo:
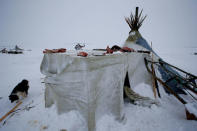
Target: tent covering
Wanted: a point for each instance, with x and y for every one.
(91, 85)
(141, 43)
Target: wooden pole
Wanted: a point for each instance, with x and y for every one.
(136, 12)
(178, 69)
(153, 76)
(153, 72)
(163, 83)
(186, 86)
(176, 76)
(136, 19)
(14, 108)
(171, 91)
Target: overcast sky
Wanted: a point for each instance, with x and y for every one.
(56, 23)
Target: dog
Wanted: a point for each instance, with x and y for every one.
(20, 91)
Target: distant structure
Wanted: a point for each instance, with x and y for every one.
(16, 50)
(4, 50)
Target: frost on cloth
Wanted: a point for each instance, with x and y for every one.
(92, 85)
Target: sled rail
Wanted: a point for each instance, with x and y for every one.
(163, 62)
(187, 84)
(164, 84)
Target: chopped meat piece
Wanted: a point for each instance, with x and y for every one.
(84, 54)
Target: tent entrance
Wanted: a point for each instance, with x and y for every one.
(126, 84)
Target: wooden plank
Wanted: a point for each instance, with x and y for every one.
(14, 108)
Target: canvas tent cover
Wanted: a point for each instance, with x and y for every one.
(92, 85)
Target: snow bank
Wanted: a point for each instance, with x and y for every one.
(144, 90)
(169, 116)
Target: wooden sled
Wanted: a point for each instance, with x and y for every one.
(185, 82)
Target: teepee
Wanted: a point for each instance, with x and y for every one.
(135, 22)
(136, 41)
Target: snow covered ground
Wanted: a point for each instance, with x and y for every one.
(33, 116)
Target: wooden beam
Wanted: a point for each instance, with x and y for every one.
(164, 84)
(12, 110)
(153, 76)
